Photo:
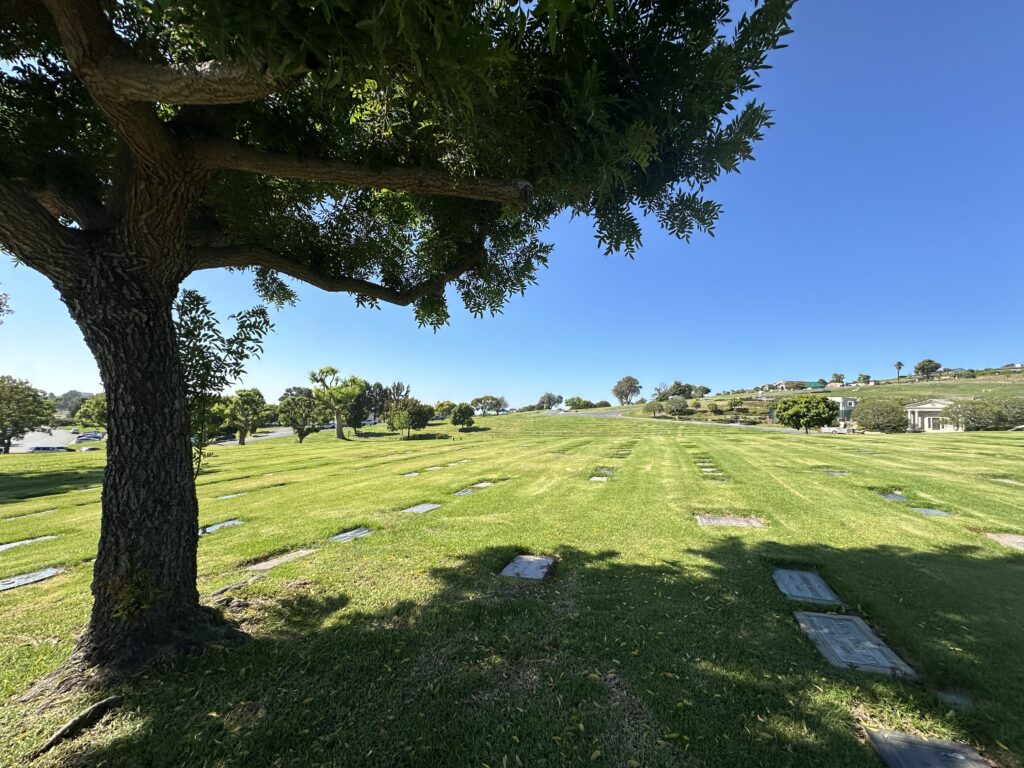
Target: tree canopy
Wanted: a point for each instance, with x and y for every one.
(626, 389)
(23, 409)
(806, 413)
(927, 368)
(889, 415)
(245, 412)
(93, 412)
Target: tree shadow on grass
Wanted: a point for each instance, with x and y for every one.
(669, 664)
(31, 484)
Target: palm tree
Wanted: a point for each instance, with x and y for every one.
(899, 367)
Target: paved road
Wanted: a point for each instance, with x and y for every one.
(32, 439)
(263, 435)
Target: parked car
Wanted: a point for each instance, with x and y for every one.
(88, 438)
(74, 431)
(47, 449)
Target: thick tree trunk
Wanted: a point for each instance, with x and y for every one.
(144, 578)
(242, 434)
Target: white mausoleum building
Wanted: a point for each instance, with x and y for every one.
(926, 416)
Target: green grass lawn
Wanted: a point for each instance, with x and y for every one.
(656, 642)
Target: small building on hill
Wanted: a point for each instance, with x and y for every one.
(846, 406)
(926, 416)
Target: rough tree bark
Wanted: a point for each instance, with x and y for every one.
(144, 578)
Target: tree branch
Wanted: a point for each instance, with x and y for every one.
(208, 82)
(89, 39)
(229, 155)
(31, 233)
(241, 256)
(82, 208)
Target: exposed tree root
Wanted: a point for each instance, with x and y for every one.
(77, 724)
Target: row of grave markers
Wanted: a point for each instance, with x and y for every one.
(21, 580)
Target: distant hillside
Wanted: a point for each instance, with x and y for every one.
(751, 407)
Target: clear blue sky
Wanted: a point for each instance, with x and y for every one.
(880, 221)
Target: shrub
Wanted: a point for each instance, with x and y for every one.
(881, 415)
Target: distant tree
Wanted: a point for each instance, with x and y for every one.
(577, 403)
(93, 412)
(358, 410)
(377, 400)
(677, 406)
(838, 378)
(462, 416)
(1012, 408)
(806, 413)
(303, 413)
(602, 404)
(654, 407)
(5, 306)
(489, 403)
(397, 393)
(548, 401)
(626, 390)
(295, 392)
(336, 395)
(211, 361)
(701, 391)
(270, 415)
(863, 378)
(975, 415)
(676, 389)
(881, 415)
(444, 408)
(23, 409)
(409, 414)
(245, 412)
(899, 367)
(71, 401)
(927, 368)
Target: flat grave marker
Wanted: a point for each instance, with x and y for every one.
(419, 509)
(266, 565)
(805, 586)
(905, 750)
(13, 582)
(29, 514)
(928, 512)
(232, 495)
(836, 472)
(218, 526)
(846, 641)
(464, 492)
(484, 484)
(599, 479)
(433, 469)
(411, 474)
(709, 470)
(893, 496)
(528, 567)
(13, 544)
(1007, 480)
(1012, 540)
(730, 520)
(355, 533)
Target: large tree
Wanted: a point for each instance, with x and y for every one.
(377, 148)
(549, 400)
(246, 412)
(23, 409)
(93, 412)
(626, 389)
(336, 395)
(807, 412)
(927, 368)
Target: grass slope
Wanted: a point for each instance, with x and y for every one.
(656, 642)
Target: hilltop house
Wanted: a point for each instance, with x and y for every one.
(846, 406)
(926, 416)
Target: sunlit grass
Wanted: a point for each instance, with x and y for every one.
(656, 640)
